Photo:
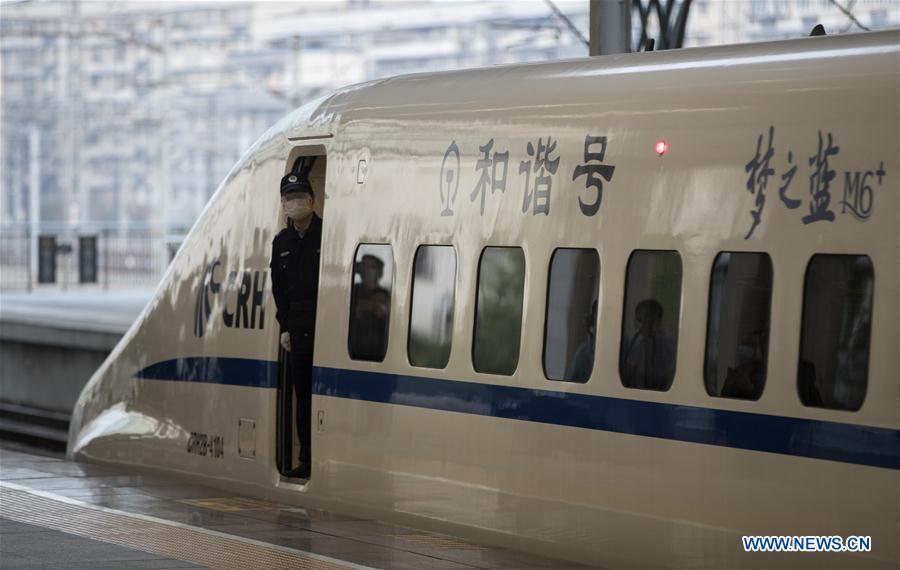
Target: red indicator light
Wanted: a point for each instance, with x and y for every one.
(661, 147)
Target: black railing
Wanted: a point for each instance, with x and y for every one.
(80, 257)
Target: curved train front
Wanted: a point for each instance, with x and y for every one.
(594, 472)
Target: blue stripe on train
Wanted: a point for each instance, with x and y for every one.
(847, 443)
(215, 370)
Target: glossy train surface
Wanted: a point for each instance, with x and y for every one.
(664, 152)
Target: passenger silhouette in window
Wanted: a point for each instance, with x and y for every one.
(649, 359)
(371, 307)
(583, 361)
(744, 380)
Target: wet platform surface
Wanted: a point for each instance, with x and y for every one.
(59, 514)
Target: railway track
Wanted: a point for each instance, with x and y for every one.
(34, 427)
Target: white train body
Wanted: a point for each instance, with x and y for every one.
(594, 472)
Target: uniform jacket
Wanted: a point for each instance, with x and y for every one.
(295, 276)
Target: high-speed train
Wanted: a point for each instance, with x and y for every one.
(621, 310)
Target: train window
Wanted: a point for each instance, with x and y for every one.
(498, 310)
(370, 302)
(571, 320)
(737, 329)
(431, 315)
(650, 320)
(837, 322)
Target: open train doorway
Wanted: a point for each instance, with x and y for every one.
(296, 262)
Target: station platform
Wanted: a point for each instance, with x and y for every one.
(98, 311)
(55, 513)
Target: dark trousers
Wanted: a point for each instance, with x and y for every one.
(302, 326)
(301, 375)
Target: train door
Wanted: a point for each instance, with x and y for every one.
(298, 251)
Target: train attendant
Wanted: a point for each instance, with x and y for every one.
(295, 282)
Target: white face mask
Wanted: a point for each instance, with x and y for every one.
(297, 208)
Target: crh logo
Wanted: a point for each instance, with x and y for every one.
(245, 287)
(202, 308)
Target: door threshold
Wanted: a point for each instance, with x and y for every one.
(292, 482)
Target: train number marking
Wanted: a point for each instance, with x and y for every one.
(206, 445)
(858, 194)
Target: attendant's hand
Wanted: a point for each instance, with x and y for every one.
(286, 341)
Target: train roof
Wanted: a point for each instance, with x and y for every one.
(442, 94)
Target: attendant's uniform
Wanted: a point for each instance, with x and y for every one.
(295, 284)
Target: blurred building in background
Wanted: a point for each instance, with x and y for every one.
(119, 119)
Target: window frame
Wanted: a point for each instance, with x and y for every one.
(521, 312)
(547, 314)
(412, 292)
(624, 318)
(803, 314)
(390, 309)
(712, 272)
